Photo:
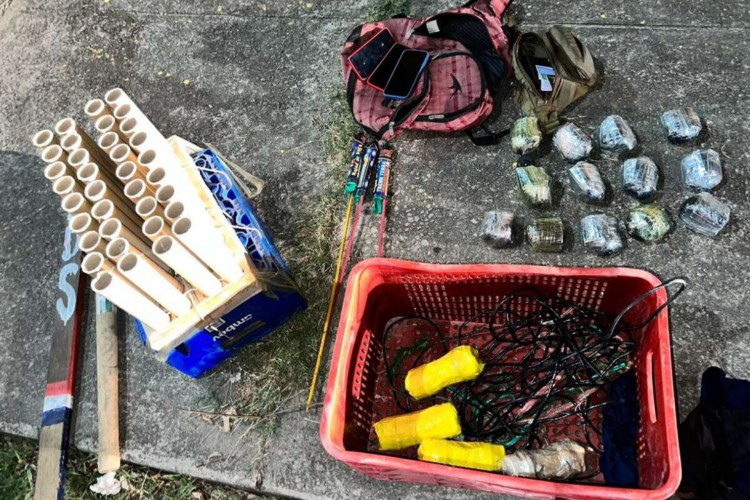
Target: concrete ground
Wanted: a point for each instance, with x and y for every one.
(253, 77)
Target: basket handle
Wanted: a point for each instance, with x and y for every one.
(683, 282)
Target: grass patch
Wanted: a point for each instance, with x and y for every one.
(385, 9)
(18, 464)
(274, 374)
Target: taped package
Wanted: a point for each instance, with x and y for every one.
(439, 421)
(459, 365)
(480, 456)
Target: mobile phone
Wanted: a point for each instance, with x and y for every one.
(379, 77)
(366, 58)
(406, 74)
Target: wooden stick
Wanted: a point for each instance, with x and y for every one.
(58, 397)
(107, 386)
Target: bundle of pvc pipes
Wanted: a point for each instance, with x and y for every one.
(151, 247)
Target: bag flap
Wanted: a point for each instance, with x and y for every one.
(573, 55)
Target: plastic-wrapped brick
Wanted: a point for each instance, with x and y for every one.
(616, 135)
(682, 125)
(572, 142)
(704, 214)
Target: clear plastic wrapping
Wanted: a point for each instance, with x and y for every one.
(525, 136)
(640, 178)
(682, 125)
(587, 182)
(704, 214)
(535, 185)
(701, 170)
(600, 234)
(572, 142)
(546, 234)
(561, 460)
(497, 228)
(616, 135)
(649, 223)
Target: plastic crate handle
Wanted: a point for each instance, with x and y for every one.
(683, 282)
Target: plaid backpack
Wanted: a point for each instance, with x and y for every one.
(470, 58)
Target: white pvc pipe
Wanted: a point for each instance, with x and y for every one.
(147, 207)
(94, 263)
(128, 126)
(91, 241)
(154, 227)
(163, 158)
(127, 297)
(118, 248)
(83, 222)
(65, 127)
(200, 218)
(90, 173)
(136, 189)
(217, 256)
(109, 141)
(106, 209)
(97, 191)
(142, 141)
(71, 142)
(127, 171)
(117, 98)
(66, 185)
(44, 138)
(54, 171)
(122, 153)
(112, 229)
(95, 109)
(152, 280)
(75, 203)
(186, 265)
(54, 153)
(79, 158)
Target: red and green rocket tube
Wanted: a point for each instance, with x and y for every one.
(355, 166)
(385, 161)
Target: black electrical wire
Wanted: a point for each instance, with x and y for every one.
(542, 367)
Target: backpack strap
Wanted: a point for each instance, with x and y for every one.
(489, 139)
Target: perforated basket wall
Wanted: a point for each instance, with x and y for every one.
(379, 290)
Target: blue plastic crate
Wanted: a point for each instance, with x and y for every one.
(258, 315)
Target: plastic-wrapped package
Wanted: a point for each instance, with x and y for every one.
(640, 177)
(438, 421)
(704, 214)
(561, 460)
(497, 228)
(535, 185)
(587, 182)
(572, 142)
(600, 234)
(701, 170)
(649, 223)
(683, 125)
(525, 135)
(616, 135)
(546, 234)
(480, 456)
(459, 365)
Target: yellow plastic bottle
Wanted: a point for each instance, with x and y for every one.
(402, 431)
(480, 456)
(459, 365)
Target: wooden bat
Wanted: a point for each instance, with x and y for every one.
(107, 385)
(58, 397)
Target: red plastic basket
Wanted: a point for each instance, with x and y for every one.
(380, 290)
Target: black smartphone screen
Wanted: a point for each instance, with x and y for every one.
(406, 73)
(383, 72)
(366, 59)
